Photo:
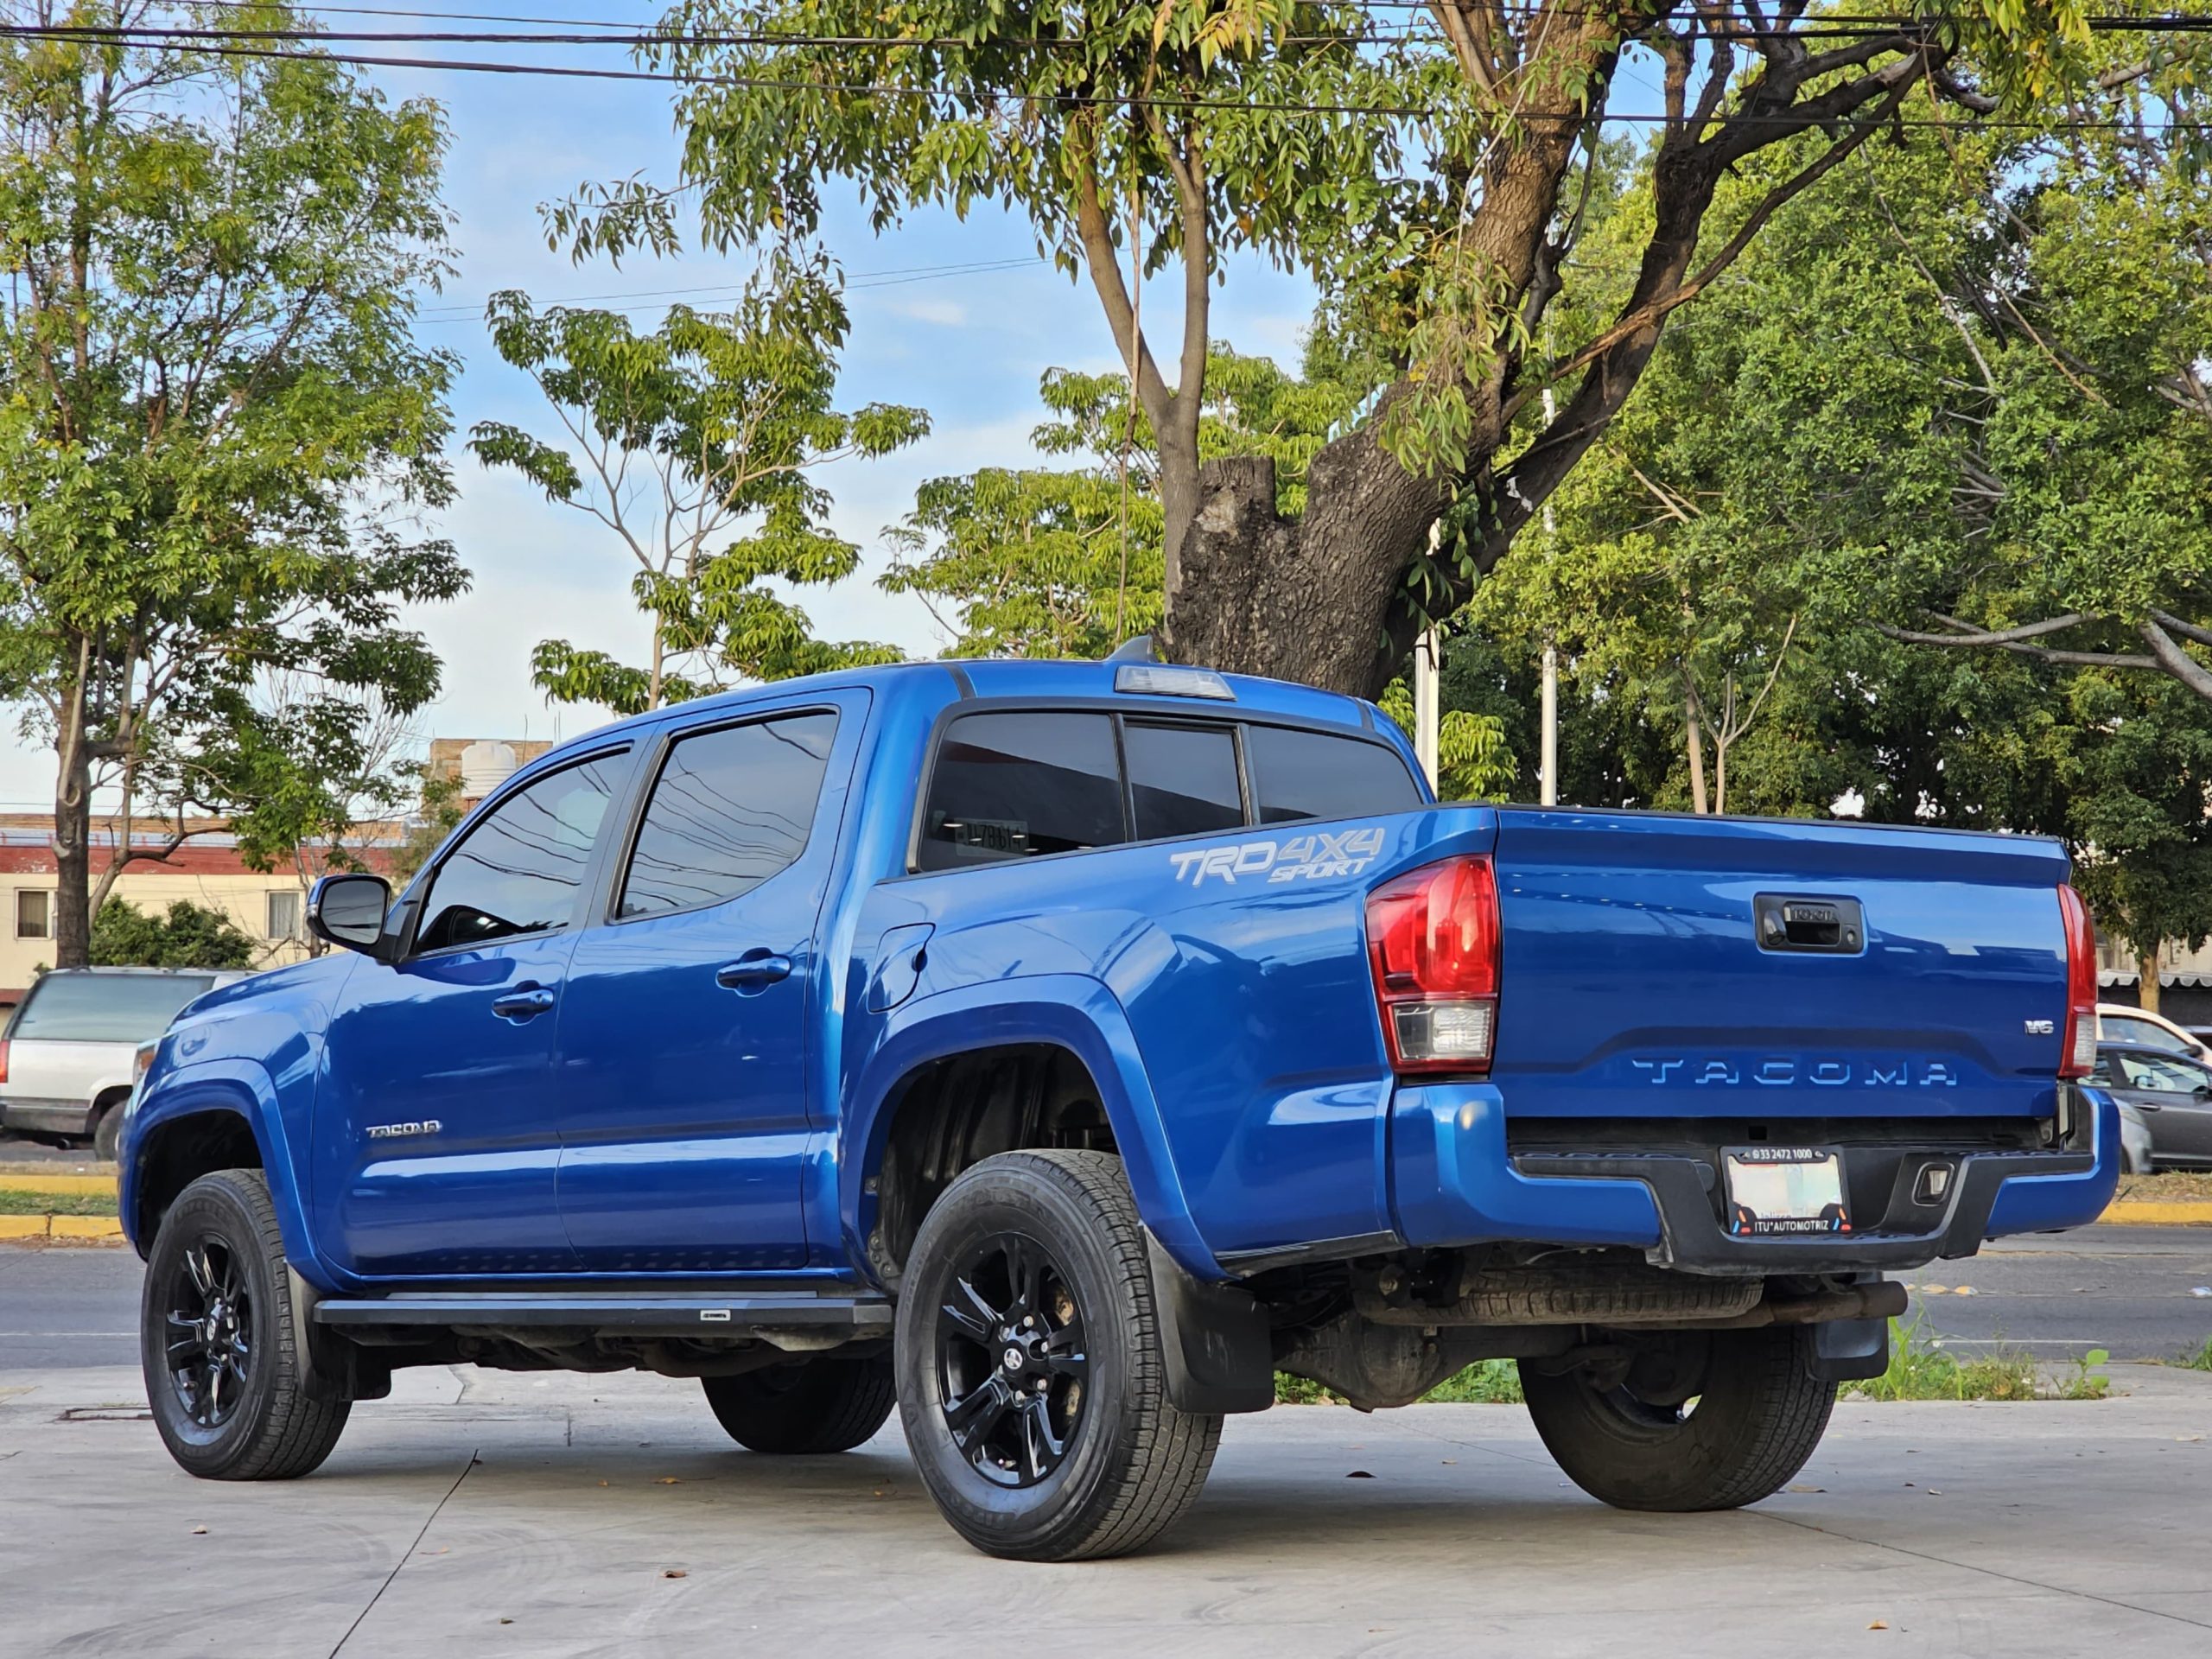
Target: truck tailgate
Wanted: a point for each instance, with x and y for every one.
(1660, 966)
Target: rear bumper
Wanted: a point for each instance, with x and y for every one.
(47, 1116)
(1454, 1182)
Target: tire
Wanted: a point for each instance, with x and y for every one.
(1756, 1411)
(239, 1408)
(824, 1404)
(1073, 1453)
(107, 1128)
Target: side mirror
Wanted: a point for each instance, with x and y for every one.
(349, 911)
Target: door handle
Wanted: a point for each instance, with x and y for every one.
(524, 1002)
(752, 972)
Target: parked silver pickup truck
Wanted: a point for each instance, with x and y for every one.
(67, 1055)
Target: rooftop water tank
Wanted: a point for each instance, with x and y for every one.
(485, 765)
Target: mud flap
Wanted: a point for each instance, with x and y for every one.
(335, 1367)
(1850, 1351)
(1215, 1340)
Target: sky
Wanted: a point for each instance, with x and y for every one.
(969, 349)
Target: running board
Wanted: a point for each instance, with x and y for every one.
(683, 1316)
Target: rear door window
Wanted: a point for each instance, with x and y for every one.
(730, 809)
(1182, 780)
(1302, 774)
(1019, 785)
(521, 870)
(103, 1007)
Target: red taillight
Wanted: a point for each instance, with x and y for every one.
(3, 1059)
(2078, 1053)
(1432, 943)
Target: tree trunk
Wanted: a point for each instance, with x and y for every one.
(1301, 598)
(2146, 963)
(1695, 737)
(72, 854)
(1324, 599)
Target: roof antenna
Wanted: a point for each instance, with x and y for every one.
(1138, 649)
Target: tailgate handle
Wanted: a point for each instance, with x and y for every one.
(1788, 921)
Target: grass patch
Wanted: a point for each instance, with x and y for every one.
(1920, 1368)
(2166, 1186)
(2201, 1359)
(1486, 1382)
(56, 1204)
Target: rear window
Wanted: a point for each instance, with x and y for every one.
(103, 1007)
(1299, 774)
(1182, 780)
(1023, 783)
(1019, 786)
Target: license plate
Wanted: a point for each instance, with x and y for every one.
(1784, 1190)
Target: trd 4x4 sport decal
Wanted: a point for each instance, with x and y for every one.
(1301, 858)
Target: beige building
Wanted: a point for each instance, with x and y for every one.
(269, 907)
(206, 870)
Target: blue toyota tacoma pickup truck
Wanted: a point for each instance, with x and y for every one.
(1055, 1051)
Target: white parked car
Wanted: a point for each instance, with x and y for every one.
(2119, 1023)
(67, 1058)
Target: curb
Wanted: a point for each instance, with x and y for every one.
(2154, 1212)
(59, 1227)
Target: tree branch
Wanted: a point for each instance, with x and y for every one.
(2175, 661)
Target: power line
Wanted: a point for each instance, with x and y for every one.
(1818, 27)
(1066, 99)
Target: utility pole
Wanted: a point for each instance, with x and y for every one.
(1547, 763)
(1429, 663)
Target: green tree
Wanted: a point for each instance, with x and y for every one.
(2082, 418)
(190, 936)
(694, 446)
(1431, 181)
(1067, 562)
(1887, 410)
(216, 430)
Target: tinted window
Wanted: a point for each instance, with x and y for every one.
(1182, 780)
(1312, 775)
(103, 1007)
(522, 869)
(1019, 785)
(731, 807)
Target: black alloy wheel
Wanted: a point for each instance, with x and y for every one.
(210, 1320)
(234, 1394)
(1032, 1381)
(1011, 1365)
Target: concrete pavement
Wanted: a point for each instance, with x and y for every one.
(488, 1513)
